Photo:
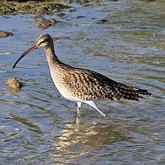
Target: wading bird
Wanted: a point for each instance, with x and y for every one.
(82, 85)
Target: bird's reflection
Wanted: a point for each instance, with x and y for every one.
(80, 138)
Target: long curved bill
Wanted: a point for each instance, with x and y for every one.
(24, 54)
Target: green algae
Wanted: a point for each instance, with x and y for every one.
(40, 6)
(31, 7)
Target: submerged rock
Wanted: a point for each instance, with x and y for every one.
(13, 84)
(45, 23)
(149, 0)
(5, 34)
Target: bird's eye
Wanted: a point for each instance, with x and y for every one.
(42, 41)
(46, 40)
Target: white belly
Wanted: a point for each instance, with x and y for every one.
(62, 88)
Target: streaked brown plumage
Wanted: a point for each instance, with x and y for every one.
(82, 85)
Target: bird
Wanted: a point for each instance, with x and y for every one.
(79, 84)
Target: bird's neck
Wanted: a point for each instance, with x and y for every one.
(51, 56)
(54, 63)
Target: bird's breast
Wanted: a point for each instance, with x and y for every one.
(62, 83)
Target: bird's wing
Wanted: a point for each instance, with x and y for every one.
(94, 86)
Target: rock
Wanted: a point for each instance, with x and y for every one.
(45, 23)
(31, 7)
(13, 84)
(55, 38)
(103, 21)
(5, 34)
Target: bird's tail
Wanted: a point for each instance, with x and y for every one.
(130, 93)
(144, 92)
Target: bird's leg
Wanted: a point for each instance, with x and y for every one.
(78, 108)
(92, 103)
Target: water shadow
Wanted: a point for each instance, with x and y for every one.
(80, 139)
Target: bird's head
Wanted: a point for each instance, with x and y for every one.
(43, 40)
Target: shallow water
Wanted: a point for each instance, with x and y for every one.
(123, 40)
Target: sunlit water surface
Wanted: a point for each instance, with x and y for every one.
(124, 40)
